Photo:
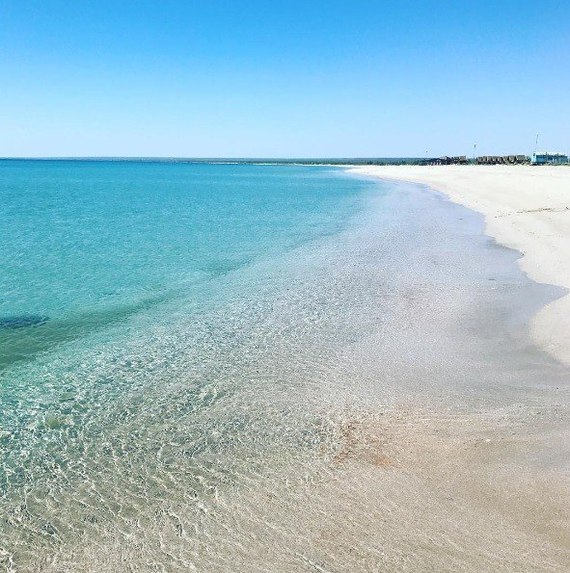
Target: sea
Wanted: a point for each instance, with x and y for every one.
(226, 367)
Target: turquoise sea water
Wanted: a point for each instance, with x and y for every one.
(186, 352)
(89, 243)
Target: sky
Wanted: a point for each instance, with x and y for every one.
(283, 79)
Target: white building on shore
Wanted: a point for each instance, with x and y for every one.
(545, 158)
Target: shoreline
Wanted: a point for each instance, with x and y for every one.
(525, 208)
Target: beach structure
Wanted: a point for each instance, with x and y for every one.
(501, 159)
(546, 158)
(445, 160)
(481, 160)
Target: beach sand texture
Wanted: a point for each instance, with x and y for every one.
(526, 208)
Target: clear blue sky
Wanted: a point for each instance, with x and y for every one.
(283, 79)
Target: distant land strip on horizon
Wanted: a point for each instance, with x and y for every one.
(520, 159)
(237, 160)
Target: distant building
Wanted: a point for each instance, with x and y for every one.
(445, 160)
(501, 159)
(548, 158)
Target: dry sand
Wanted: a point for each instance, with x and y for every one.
(526, 208)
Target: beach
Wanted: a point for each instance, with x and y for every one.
(338, 378)
(252, 320)
(526, 208)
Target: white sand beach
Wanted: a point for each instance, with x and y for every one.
(526, 208)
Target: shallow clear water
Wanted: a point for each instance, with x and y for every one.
(195, 348)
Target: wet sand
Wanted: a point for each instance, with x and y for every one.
(526, 208)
